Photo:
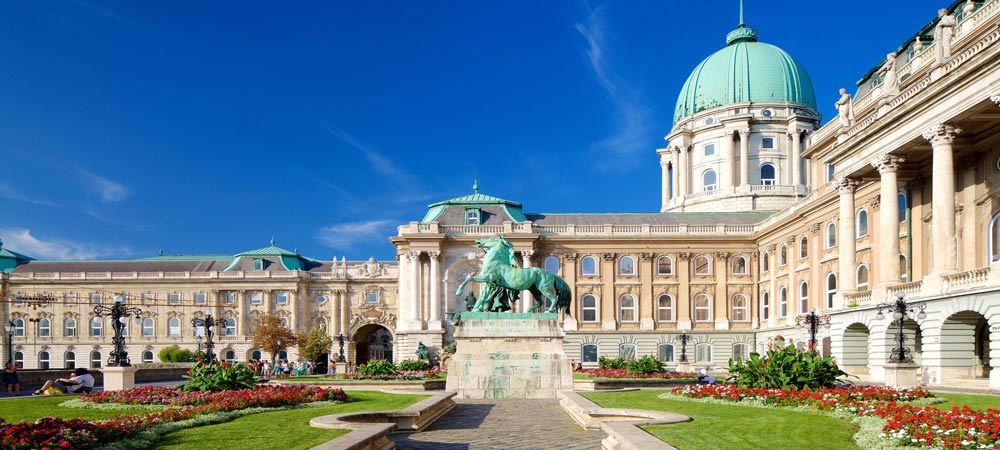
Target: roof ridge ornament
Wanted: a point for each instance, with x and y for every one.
(742, 22)
(475, 186)
(272, 241)
(742, 31)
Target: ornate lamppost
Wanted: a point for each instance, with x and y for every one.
(684, 341)
(119, 317)
(208, 322)
(340, 340)
(900, 311)
(197, 339)
(812, 322)
(10, 340)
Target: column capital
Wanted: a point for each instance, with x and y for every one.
(796, 131)
(995, 98)
(722, 255)
(570, 256)
(846, 185)
(527, 253)
(684, 256)
(647, 256)
(770, 248)
(814, 228)
(413, 254)
(887, 163)
(743, 132)
(941, 134)
(610, 256)
(434, 254)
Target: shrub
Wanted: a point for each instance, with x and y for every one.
(409, 365)
(645, 364)
(220, 377)
(605, 362)
(785, 368)
(377, 368)
(174, 353)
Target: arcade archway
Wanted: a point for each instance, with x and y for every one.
(372, 342)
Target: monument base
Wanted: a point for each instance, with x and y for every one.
(902, 375)
(118, 378)
(509, 355)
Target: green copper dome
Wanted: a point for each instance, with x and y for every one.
(745, 71)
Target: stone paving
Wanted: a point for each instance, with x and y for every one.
(503, 424)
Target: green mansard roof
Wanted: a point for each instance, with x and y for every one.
(511, 208)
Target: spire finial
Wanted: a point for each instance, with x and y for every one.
(272, 241)
(742, 22)
(475, 186)
(161, 252)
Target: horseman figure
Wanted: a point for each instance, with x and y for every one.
(502, 280)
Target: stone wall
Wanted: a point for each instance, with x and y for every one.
(146, 373)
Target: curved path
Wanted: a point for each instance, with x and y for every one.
(503, 424)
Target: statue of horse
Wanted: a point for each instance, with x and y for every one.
(500, 272)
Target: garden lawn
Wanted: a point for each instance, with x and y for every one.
(287, 429)
(734, 427)
(34, 408)
(974, 401)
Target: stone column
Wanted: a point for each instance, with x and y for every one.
(527, 300)
(846, 244)
(293, 303)
(647, 300)
(683, 269)
(888, 218)
(571, 322)
(793, 282)
(796, 159)
(609, 298)
(683, 173)
(772, 293)
(434, 315)
(244, 311)
(728, 180)
(416, 320)
(721, 307)
(943, 256)
(675, 166)
(664, 182)
(345, 321)
(745, 157)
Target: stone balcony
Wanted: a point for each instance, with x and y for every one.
(915, 291)
(607, 230)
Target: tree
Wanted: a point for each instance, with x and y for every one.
(271, 336)
(313, 344)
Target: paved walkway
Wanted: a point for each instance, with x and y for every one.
(503, 424)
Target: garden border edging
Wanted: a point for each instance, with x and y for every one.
(370, 430)
(621, 425)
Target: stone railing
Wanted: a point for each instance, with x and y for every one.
(970, 279)
(101, 276)
(582, 230)
(908, 289)
(857, 298)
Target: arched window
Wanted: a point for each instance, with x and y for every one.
(174, 327)
(665, 308)
(665, 352)
(320, 299)
(95, 359)
(43, 360)
(229, 326)
(765, 262)
(739, 265)
(861, 223)
(283, 355)
(904, 210)
(552, 265)
(589, 353)
(904, 268)
(782, 302)
(44, 328)
(803, 247)
(702, 308)
(96, 324)
(782, 256)
(147, 357)
(18, 327)
(831, 288)
(665, 265)
(626, 308)
(803, 297)
(588, 266)
(994, 238)
(702, 265)
(831, 235)
(626, 265)
(588, 306)
(255, 355)
(147, 327)
(767, 175)
(229, 356)
(765, 305)
(709, 181)
(69, 327)
(862, 277)
(19, 360)
(740, 308)
(703, 353)
(626, 351)
(69, 360)
(741, 351)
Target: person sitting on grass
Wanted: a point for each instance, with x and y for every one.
(80, 380)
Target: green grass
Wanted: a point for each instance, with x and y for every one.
(34, 408)
(287, 429)
(973, 401)
(734, 427)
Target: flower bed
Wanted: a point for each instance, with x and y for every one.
(907, 424)
(402, 375)
(622, 373)
(81, 434)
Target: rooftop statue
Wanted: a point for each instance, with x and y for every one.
(890, 82)
(502, 280)
(845, 109)
(943, 33)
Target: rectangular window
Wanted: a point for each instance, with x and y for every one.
(148, 297)
(703, 353)
(174, 298)
(709, 149)
(767, 143)
(229, 298)
(626, 351)
(372, 297)
(95, 298)
(666, 353)
(828, 170)
(199, 298)
(281, 298)
(590, 353)
(256, 298)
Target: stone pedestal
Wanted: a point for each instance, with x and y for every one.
(118, 378)
(340, 368)
(683, 367)
(509, 355)
(902, 375)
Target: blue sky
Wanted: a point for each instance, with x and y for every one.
(209, 127)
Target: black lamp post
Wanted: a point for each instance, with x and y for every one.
(10, 340)
(340, 340)
(197, 339)
(684, 342)
(119, 317)
(208, 322)
(900, 311)
(812, 322)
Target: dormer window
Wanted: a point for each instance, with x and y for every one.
(258, 264)
(472, 216)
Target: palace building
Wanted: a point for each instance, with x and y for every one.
(766, 214)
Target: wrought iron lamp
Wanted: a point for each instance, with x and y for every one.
(119, 314)
(208, 322)
(684, 341)
(901, 311)
(812, 322)
(340, 340)
(9, 327)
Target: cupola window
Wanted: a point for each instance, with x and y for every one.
(767, 143)
(709, 181)
(767, 112)
(709, 149)
(472, 217)
(767, 175)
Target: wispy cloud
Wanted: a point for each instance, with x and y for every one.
(22, 241)
(110, 191)
(8, 192)
(344, 236)
(631, 123)
(411, 188)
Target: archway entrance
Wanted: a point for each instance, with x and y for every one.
(321, 364)
(965, 338)
(856, 339)
(372, 342)
(913, 340)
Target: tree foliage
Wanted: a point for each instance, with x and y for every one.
(313, 344)
(271, 336)
(173, 353)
